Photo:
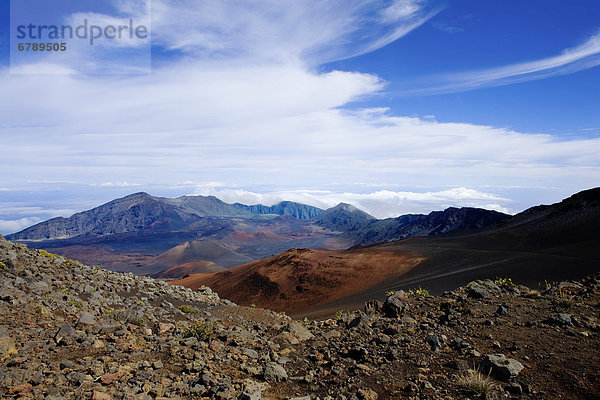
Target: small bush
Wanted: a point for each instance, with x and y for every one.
(199, 330)
(137, 318)
(186, 309)
(46, 254)
(389, 293)
(476, 381)
(504, 282)
(71, 262)
(134, 317)
(137, 301)
(565, 300)
(419, 292)
(2, 265)
(76, 304)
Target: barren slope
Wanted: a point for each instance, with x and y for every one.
(73, 332)
(300, 279)
(196, 251)
(196, 267)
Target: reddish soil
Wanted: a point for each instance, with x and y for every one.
(299, 279)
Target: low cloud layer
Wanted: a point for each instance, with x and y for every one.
(10, 226)
(380, 204)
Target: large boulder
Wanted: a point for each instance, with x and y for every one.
(501, 367)
(39, 287)
(275, 373)
(298, 331)
(560, 319)
(86, 320)
(482, 289)
(359, 322)
(66, 335)
(395, 305)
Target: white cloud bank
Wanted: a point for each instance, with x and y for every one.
(380, 204)
(10, 226)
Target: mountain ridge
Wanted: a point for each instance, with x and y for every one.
(434, 223)
(130, 232)
(141, 211)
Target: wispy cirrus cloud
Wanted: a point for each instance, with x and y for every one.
(313, 32)
(584, 56)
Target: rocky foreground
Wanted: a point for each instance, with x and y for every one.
(69, 331)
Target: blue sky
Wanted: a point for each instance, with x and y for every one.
(394, 106)
(477, 35)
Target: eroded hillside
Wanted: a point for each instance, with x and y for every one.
(69, 331)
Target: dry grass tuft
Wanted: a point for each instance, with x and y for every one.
(475, 380)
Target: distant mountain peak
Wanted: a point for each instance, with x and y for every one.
(133, 196)
(343, 218)
(349, 208)
(346, 207)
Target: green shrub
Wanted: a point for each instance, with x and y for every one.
(339, 314)
(76, 304)
(71, 262)
(419, 292)
(46, 254)
(186, 309)
(504, 282)
(2, 265)
(199, 330)
(134, 317)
